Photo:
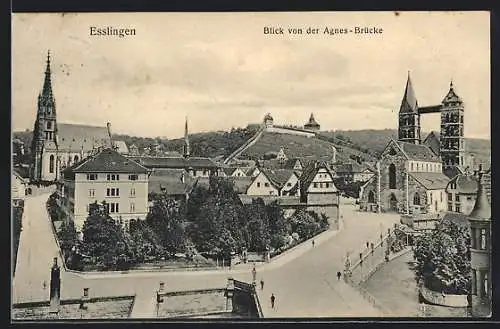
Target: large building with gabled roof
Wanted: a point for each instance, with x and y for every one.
(105, 176)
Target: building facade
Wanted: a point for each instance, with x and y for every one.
(409, 179)
(280, 182)
(110, 177)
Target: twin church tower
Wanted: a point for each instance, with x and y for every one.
(451, 138)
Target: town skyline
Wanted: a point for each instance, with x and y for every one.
(224, 78)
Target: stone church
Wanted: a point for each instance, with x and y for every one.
(56, 146)
(412, 175)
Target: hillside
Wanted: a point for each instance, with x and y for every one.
(295, 146)
(376, 140)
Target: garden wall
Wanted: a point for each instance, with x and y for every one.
(437, 298)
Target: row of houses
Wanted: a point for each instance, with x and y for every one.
(125, 183)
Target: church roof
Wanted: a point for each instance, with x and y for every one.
(418, 152)
(76, 138)
(451, 96)
(121, 147)
(431, 180)
(108, 161)
(409, 102)
(482, 208)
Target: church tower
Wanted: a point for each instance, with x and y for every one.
(409, 117)
(45, 132)
(187, 150)
(452, 130)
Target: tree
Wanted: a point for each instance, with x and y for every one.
(443, 258)
(279, 227)
(67, 237)
(103, 239)
(304, 224)
(145, 241)
(167, 219)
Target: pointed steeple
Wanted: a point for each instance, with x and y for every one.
(47, 83)
(482, 208)
(186, 140)
(409, 102)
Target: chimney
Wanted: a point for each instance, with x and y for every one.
(108, 126)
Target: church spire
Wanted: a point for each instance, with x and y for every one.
(47, 83)
(409, 102)
(186, 140)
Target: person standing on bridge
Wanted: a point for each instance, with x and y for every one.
(273, 299)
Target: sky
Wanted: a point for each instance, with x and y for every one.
(221, 71)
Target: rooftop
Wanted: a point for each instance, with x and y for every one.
(419, 152)
(107, 161)
(174, 162)
(431, 180)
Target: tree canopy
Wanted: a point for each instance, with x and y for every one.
(443, 258)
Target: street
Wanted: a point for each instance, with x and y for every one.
(303, 280)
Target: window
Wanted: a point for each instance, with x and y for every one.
(113, 192)
(416, 199)
(450, 197)
(469, 198)
(258, 184)
(315, 185)
(51, 164)
(288, 184)
(91, 192)
(91, 176)
(327, 185)
(411, 166)
(392, 176)
(271, 192)
(132, 207)
(320, 185)
(132, 192)
(483, 239)
(133, 177)
(266, 184)
(450, 207)
(457, 208)
(76, 159)
(441, 196)
(371, 197)
(112, 177)
(457, 197)
(117, 192)
(112, 207)
(49, 124)
(430, 194)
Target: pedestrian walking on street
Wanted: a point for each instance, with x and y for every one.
(273, 299)
(313, 243)
(339, 275)
(254, 274)
(367, 245)
(261, 284)
(44, 285)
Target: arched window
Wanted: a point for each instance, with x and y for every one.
(416, 199)
(51, 164)
(392, 176)
(371, 197)
(76, 159)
